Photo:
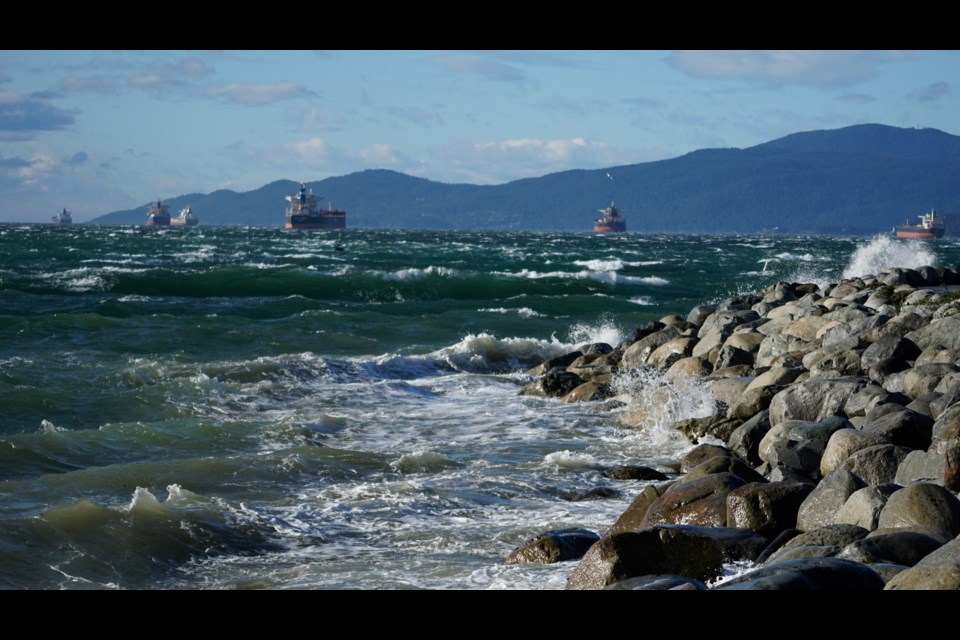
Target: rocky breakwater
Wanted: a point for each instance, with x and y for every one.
(830, 458)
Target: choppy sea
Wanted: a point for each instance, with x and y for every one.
(253, 408)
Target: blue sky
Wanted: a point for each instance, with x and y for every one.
(98, 131)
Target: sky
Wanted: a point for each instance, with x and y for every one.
(101, 131)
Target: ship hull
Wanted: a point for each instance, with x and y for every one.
(159, 223)
(610, 228)
(180, 223)
(327, 222)
(918, 234)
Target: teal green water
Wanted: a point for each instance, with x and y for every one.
(251, 408)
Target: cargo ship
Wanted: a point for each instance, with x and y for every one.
(929, 227)
(63, 217)
(185, 219)
(610, 221)
(304, 214)
(158, 215)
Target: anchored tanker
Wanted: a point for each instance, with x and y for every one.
(304, 214)
(610, 220)
(930, 226)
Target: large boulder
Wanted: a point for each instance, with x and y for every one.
(822, 542)
(897, 547)
(922, 504)
(820, 508)
(657, 583)
(695, 552)
(638, 352)
(632, 517)
(813, 400)
(863, 507)
(745, 439)
(877, 464)
(698, 502)
(767, 508)
(554, 546)
(944, 332)
(845, 442)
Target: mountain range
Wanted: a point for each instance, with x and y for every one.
(857, 180)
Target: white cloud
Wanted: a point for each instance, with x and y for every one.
(314, 151)
(256, 94)
(505, 160)
(825, 69)
(380, 155)
(489, 69)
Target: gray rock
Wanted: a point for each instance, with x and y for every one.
(554, 546)
(588, 392)
(745, 439)
(777, 345)
(809, 574)
(656, 583)
(869, 397)
(944, 332)
(779, 376)
(820, 508)
(732, 356)
(813, 400)
(863, 507)
(700, 313)
(922, 504)
(833, 362)
(904, 428)
(921, 466)
(802, 457)
(669, 352)
(818, 543)
(877, 464)
(944, 577)
(767, 508)
(728, 390)
(638, 352)
(887, 571)
(752, 402)
(696, 552)
(922, 380)
(903, 547)
(845, 442)
(890, 346)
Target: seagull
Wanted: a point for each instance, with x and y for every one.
(766, 261)
(609, 176)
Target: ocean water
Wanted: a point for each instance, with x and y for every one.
(251, 408)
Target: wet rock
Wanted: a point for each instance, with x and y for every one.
(555, 383)
(632, 517)
(699, 502)
(639, 351)
(554, 546)
(588, 392)
(596, 493)
(813, 400)
(725, 464)
(634, 472)
(820, 508)
(670, 352)
(716, 426)
(903, 547)
(696, 552)
(745, 439)
(686, 368)
(562, 362)
(877, 464)
(863, 507)
(656, 583)
(596, 348)
(922, 504)
(823, 542)
(809, 574)
(767, 508)
(845, 442)
(700, 454)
